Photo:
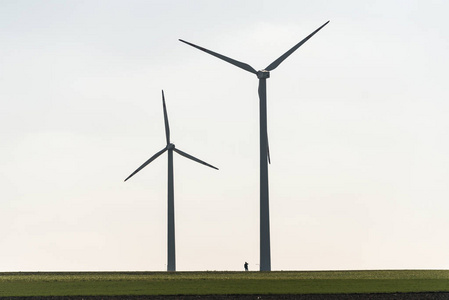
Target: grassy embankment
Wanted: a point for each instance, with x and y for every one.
(200, 283)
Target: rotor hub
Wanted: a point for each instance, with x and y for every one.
(263, 74)
(170, 146)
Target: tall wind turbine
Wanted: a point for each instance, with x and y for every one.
(171, 264)
(265, 257)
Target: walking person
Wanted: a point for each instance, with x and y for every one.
(246, 266)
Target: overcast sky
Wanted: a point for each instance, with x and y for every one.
(357, 120)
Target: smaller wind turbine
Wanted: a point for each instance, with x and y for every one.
(171, 265)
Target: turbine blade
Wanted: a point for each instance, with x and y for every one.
(268, 151)
(236, 63)
(167, 127)
(146, 163)
(193, 158)
(262, 90)
(278, 61)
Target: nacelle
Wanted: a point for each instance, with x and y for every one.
(263, 74)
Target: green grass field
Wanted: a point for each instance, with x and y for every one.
(201, 283)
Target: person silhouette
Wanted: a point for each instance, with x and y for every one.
(246, 266)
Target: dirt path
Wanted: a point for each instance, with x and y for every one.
(395, 296)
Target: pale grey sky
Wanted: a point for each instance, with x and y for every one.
(357, 121)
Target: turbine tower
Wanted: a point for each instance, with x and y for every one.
(171, 258)
(262, 75)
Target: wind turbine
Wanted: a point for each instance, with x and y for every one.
(265, 257)
(171, 264)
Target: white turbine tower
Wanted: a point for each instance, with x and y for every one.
(265, 256)
(171, 257)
